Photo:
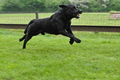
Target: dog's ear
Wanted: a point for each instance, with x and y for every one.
(62, 6)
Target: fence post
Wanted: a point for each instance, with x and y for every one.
(36, 13)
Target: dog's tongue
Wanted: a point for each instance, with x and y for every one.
(78, 15)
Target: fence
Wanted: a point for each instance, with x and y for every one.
(96, 22)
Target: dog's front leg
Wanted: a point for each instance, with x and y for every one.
(70, 36)
(70, 31)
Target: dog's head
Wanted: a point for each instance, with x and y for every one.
(71, 10)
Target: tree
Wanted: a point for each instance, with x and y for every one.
(81, 3)
(13, 5)
(98, 5)
(53, 5)
(32, 5)
(114, 5)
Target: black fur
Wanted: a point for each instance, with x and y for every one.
(58, 23)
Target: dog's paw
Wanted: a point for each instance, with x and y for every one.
(20, 40)
(43, 33)
(77, 40)
(71, 41)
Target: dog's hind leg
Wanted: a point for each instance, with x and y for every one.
(21, 39)
(43, 33)
(29, 25)
(27, 38)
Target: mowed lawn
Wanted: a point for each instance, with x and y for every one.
(51, 57)
(85, 18)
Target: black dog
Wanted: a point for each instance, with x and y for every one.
(58, 23)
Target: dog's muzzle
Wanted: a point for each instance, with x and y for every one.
(77, 15)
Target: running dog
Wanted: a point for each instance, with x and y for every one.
(58, 23)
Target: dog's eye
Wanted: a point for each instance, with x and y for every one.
(74, 7)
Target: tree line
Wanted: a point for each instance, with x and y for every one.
(52, 5)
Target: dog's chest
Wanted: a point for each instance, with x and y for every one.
(66, 24)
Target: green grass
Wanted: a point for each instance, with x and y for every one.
(50, 57)
(86, 19)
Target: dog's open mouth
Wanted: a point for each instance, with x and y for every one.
(76, 15)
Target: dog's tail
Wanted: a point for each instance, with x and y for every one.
(28, 25)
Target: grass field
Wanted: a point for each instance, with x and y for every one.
(86, 18)
(51, 57)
